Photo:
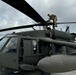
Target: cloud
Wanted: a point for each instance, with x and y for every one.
(65, 11)
(10, 16)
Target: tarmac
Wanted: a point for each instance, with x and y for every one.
(66, 73)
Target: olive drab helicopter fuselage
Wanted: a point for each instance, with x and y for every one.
(23, 50)
(38, 52)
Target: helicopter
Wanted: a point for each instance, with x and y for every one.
(40, 51)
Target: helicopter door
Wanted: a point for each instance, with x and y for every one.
(9, 56)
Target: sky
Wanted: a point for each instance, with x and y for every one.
(65, 10)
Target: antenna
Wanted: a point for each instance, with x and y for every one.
(67, 29)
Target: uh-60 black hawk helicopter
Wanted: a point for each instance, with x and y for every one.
(40, 51)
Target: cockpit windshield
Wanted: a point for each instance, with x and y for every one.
(2, 42)
(11, 46)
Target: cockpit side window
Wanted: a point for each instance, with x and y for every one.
(2, 42)
(11, 46)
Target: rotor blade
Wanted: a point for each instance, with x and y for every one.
(25, 26)
(13, 28)
(25, 8)
(66, 23)
(32, 25)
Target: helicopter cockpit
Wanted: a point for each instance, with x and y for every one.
(7, 42)
(11, 45)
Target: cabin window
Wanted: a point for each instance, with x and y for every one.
(27, 47)
(2, 42)
(34, 43)
(11, 46)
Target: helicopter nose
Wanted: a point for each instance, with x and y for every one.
(58, 63)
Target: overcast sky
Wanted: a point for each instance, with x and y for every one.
(64, 9)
